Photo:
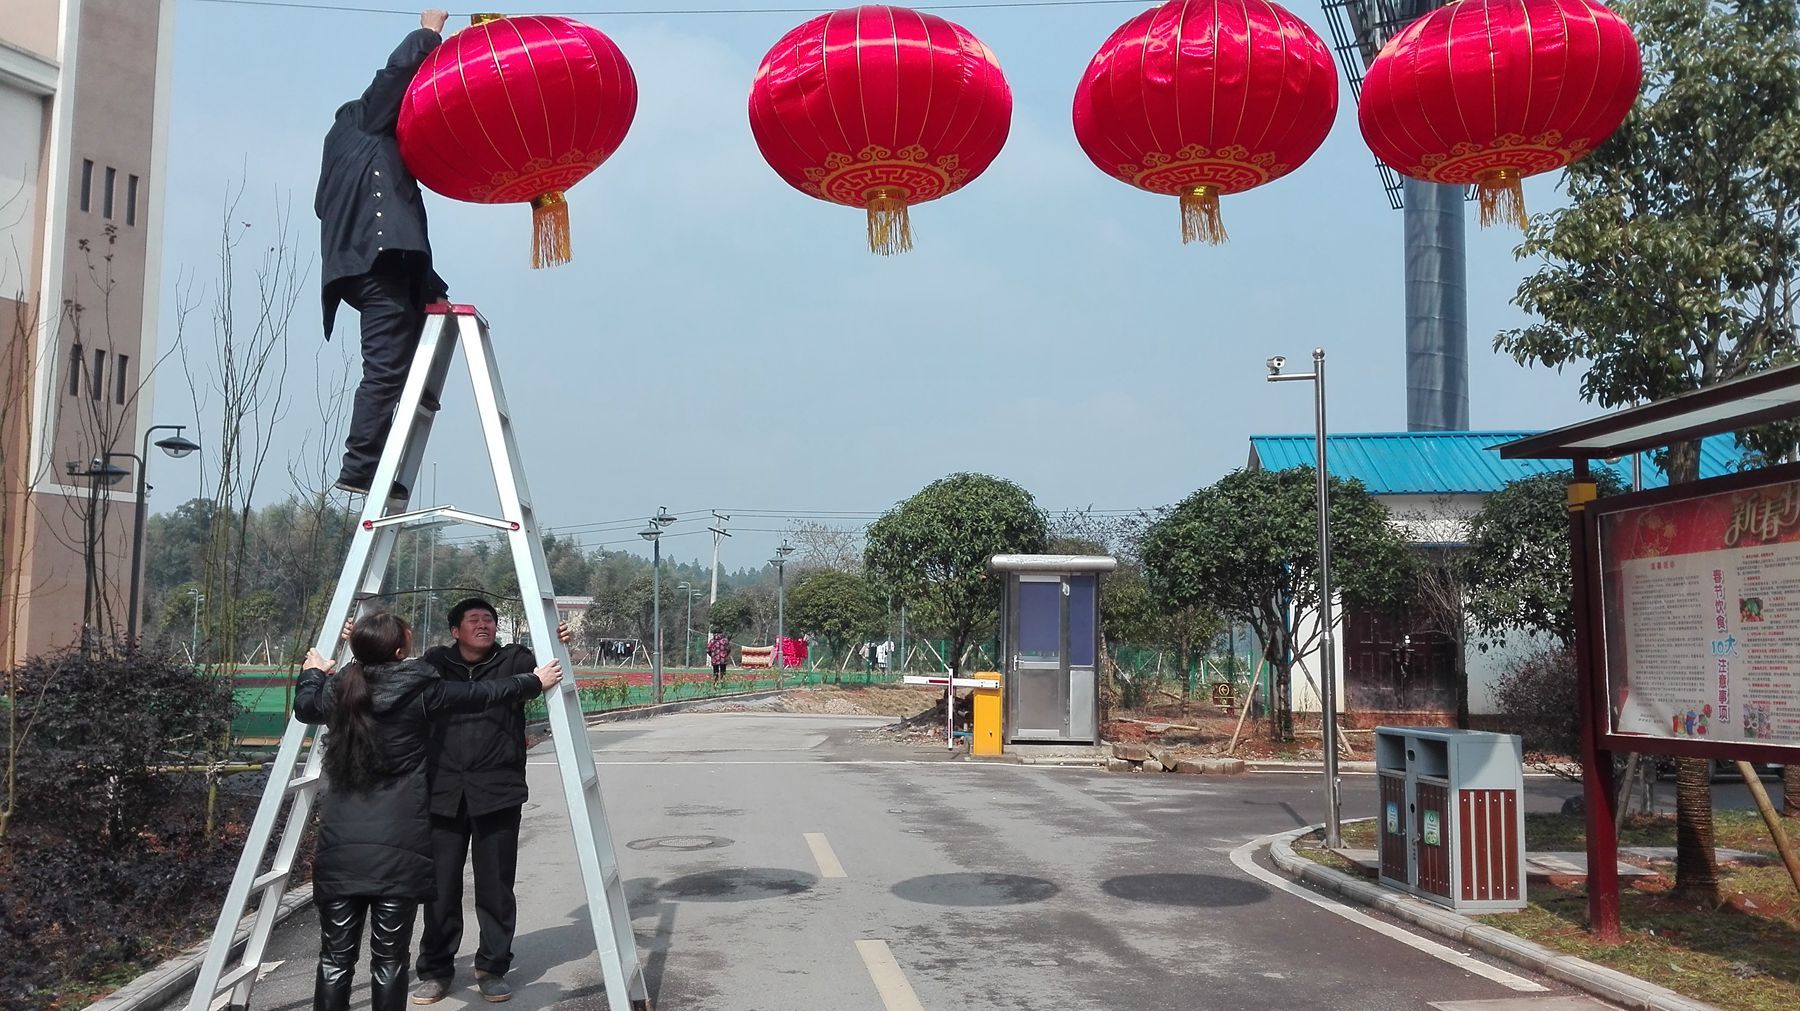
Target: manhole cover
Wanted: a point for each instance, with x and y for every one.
(680, 843)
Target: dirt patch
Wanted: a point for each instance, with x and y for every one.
(836, 700)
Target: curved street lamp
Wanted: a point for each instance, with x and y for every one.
(176, 447)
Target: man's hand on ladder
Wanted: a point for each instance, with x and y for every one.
(314, 661)
(549, 675)
(563, 635)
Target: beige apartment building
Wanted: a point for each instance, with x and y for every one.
(84, 110)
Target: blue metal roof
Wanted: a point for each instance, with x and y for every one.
(1450, 463)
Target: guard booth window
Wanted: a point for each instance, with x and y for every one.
(1040, 627)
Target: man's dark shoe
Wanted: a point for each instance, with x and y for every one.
(493, 988)
(430, 991)
(360, 486)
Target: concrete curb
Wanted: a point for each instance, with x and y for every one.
(1608, 984)
(177, 975)
(1344, 768)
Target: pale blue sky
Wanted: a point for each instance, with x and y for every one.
(723, 341)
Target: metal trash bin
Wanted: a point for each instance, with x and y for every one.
(1451, 823)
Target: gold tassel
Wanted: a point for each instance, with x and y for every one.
(1200, 221)
(1502, 198)
(550, 221)
(890, 230)
(482, 19)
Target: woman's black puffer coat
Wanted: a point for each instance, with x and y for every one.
(377, 842)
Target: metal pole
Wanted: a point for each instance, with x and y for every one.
(719, 533)
(137, 532)
(903, 637)
(780, 613)
(87, 586)
(1328, 682)
(687, 633)
(656, 615)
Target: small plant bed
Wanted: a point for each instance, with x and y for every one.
(1742, 954)
(1202, 731)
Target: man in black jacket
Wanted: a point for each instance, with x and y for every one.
(477, 794)
(374, 251)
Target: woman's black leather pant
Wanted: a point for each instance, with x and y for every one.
(340, 935)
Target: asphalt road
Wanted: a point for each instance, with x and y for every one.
(967, 886)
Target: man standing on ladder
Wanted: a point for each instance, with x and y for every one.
(374, 251)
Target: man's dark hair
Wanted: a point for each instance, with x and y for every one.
(463, 607)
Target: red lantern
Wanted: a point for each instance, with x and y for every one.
(1198, 98)
(1489, 91)
(516, 109)
(880, 108)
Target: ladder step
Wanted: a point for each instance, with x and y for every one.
(306, 783)
(271, 878)
(236, 976)
(591, 781)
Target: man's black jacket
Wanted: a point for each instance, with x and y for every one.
(368, 203)
(480, 757)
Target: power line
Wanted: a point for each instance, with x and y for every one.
(684, 12)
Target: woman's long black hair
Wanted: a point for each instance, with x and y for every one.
(352, 759)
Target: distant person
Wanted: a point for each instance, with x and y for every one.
(718, 652)
(374, 860)
(374, 250)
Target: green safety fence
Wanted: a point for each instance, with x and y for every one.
(264, 708)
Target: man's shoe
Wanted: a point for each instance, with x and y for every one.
(430, 991)
(493, 988)
(360, 486)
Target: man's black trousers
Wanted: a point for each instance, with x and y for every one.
(491, 843)
(389, 302)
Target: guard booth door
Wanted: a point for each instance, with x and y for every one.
(1051, 688)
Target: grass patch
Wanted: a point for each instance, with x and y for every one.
(1743, 955)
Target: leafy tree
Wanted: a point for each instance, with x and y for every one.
(1672, 267)
(731, 614)
(840, 607)
(1517, 566)
(1250, 541)
(932, 550)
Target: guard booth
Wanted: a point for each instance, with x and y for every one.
(1051, 646)
(1452, 819)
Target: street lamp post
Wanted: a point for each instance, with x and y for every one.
(176, 446)
(653, 534)
(780, 563)
(1328, 678)
(687, 630)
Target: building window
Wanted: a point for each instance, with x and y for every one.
(131, 183)
(87, 182)
(75, 362)
(106, 199)
(97, 381)
(121, 373)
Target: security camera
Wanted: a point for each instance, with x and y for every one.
(1275, 365)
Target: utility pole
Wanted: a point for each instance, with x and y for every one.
(717, 532)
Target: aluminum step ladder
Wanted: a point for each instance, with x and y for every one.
(230, 970)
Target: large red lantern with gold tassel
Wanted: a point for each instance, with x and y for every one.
(1485, 92)
(1198, 98)
(880, 108)
(518, 109)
